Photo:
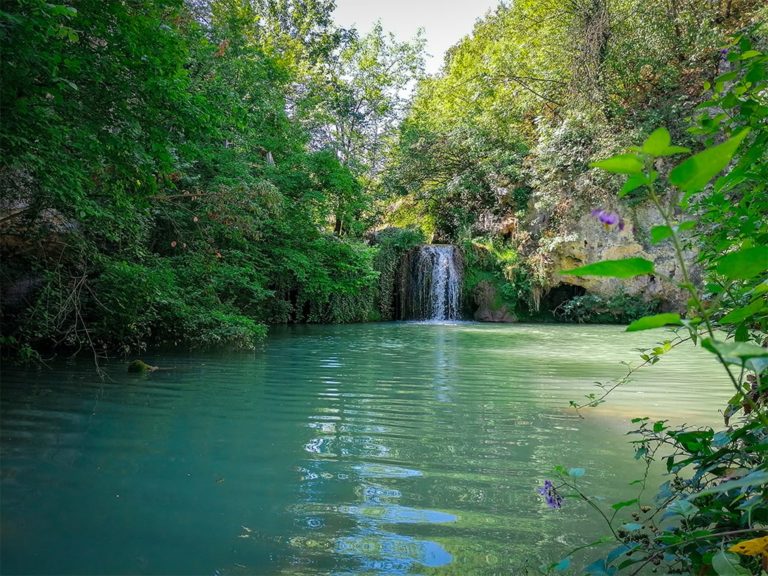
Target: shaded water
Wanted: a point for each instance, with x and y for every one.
(403, 448)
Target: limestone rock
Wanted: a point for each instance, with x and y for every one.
(489, 309)
(589, 241)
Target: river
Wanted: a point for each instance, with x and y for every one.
(397, 448)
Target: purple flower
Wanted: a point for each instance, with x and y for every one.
(608, 218)
(554, 500)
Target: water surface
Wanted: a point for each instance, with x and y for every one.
(401, 448)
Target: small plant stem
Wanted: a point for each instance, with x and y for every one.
(597, 508)
(701, 309)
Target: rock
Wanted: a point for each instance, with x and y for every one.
(589, 241)
(140, 367)
(489, 305)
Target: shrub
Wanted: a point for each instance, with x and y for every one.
(620, 308)
(391, 244)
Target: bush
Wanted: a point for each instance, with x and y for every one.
(391, 245)
(620, 308)
(488, 260)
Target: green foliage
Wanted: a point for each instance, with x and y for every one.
(716, 496)
(593, 309)
(161, 192)
(655, 321)
(392, 244)
(359, 96)
(497, 264)
(626, 268)
(340, 281)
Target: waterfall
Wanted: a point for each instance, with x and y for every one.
(430, 283)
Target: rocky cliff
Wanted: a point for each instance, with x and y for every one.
(590, 241)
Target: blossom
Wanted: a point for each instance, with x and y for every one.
(554, 500)
(608, 218)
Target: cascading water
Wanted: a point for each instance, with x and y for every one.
(430, 283)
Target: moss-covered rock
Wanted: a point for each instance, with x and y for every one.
(140, 367)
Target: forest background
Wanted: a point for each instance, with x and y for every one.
(188, 173)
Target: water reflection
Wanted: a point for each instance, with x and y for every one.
(372, 543)
(382, 449)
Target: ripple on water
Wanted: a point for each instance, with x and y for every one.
(403, 448)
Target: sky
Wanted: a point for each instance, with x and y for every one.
(444, 21)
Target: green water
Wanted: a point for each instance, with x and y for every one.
(400, 448)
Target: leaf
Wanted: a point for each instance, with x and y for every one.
(576, 472)
(726, 564)
(634, 182)
(62, 10)
(563, 565)
(753, 547)
(681, 508)
(757, 364)
(659, 233)
(749, 54)
(620, 505)
(632, 526)
(656, 321)
(672, 150)
(618, 552)
(694, 173)
(659, 143)
(744, 264)
(620, 164)
(761, 288)
(599, 568)
(754, 479)
(743, 313)
(626, 268)
(735, 350)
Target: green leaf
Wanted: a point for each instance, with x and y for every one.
(740, 314)
(620, 505)
(621, 164)
(626, 268)
(62, 10)
(727, 564)
(757, 364)
(749, 54)
(732, 351)
(672, 150)
(657, 142)
(659, 233)
(656, 321)
(744, 264)
(660, 144)
(682, 508)
(694, 174)
(753, 479)
(761, 288)
(633, 183)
